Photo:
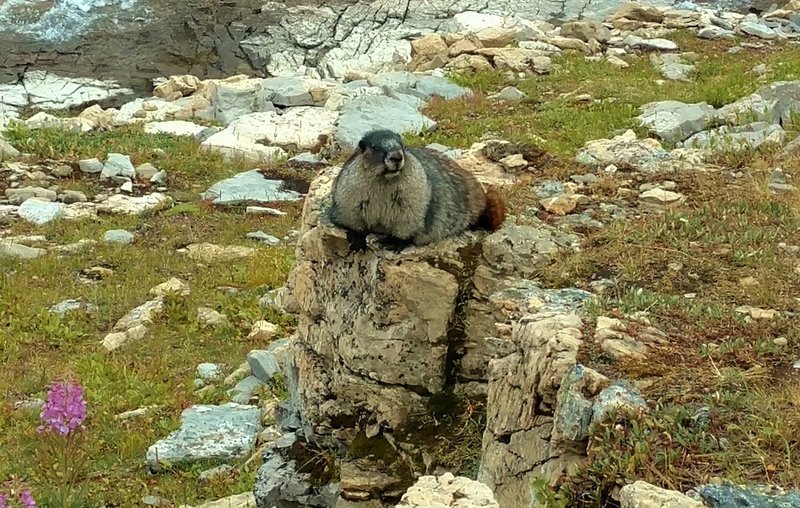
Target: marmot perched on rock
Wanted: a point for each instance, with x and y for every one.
(409, 194)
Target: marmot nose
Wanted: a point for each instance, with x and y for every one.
(396, 157)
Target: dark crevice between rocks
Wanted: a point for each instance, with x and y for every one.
(471, 257)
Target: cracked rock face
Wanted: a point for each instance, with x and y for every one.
(211, 39)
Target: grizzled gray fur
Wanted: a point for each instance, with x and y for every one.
(414, 194)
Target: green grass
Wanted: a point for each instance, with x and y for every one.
(37, 346)
(551, 118)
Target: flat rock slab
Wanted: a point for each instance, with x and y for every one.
(674, 121)
(363, 114)
(217, 433)
(174, 128)
(39, 211)
(19, 251)
(246, 187)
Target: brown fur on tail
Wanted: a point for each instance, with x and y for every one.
(494, 214)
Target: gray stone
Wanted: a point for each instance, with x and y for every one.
(421, 86)
(159, 178)
(6, 150)
(145, 171)
(375, 112)
(674, 121)
(118, 165)
(448, 491)
(208, 433)
(62, 308)
(636, 42)
(265, 363)
(523, 249)
(90, 165)
(20, 195)
(233, 98)
(737, 137)
(19, 251)
(264, 238)
(672, 66)
(73, 196)
(510, 94)
(714, 32)
(39, 211)
(209, 371)
(621, 395)
(245, 389)
(573, 411)
(286, 91)
(585, 31)
(278, 483)
(248, 186)
(757, 29)
(643, 495)
(118, 236)
(757, 496)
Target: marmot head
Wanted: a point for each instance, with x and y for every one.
(383, 152)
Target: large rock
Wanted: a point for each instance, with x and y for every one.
(40, 211)
(44, 90)
(19, 251)
(626, 151)
(250, 186)
(674, 121)
(234, 97)
(448, 491)
(643, 495)
(297, 128)
(737, 138)
(774, 103)
(208, 433)
(363, 114)
(757, 496)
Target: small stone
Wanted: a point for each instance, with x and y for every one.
(19, 251)
(66, 306)
(263, 210)
(263, 331)
(641, 494)
(90, 166)
(127, 187)
(748, 281)
(780, 341)
(29, 405)
(118, 165)
(209, 371)
(145, 171)
(61, 171)
(264, 238)
(159, 178)
(758, 313)
(617, 62)
(245, 390)
(514, 162)
(559, 205)
(715, 32)
(73, 196)
(210, 317)
(172, 286)
(118, 236)
(509, 94)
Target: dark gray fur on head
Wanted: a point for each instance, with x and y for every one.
(383, 151)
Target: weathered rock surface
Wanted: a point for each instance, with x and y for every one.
(246, 187)
(214, 433)
(643, 495)
(447, 491)
(736, 138)
(674, 121)
(719, 496)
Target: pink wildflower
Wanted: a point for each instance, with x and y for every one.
(3, 501)
(26, 498)
(65, 408)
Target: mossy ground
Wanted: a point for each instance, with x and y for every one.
(728, 230)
